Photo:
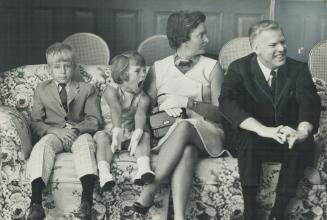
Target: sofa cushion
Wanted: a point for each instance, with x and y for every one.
(64, 191)
(217, 192)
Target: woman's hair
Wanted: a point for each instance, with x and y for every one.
(59, 52)
(180, 25)
(120, 65)
(264, 25)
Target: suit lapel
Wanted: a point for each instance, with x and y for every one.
(73, 91)
(259, 78)
(282, 81)
(54, 94)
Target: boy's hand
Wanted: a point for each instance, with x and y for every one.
(66, 135)
(136, 137)
(117, 137)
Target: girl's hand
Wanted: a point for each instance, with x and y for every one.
(117, 137)
(136, 137)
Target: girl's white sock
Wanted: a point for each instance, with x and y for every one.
(143, 164)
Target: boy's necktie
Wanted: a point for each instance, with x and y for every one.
(63, 95)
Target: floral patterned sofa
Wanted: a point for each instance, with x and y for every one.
(216, 193)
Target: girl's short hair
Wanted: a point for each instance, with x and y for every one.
(181, 24)
(120, 65)
(59, 52)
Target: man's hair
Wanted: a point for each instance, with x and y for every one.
(260, 26)
(120, 65)
(60, 52)
(180, 25)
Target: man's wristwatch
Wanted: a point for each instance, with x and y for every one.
(76, 131)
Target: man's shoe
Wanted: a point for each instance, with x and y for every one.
(84, 211)
(36, 212)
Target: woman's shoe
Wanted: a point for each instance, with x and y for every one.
(139, 208)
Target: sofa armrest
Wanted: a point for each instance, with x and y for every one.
(15, 144)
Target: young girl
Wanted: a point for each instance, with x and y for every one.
(124, 107)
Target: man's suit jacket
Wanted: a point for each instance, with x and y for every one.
(245, 93)
(83, 108)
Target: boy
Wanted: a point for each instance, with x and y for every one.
(65, 113)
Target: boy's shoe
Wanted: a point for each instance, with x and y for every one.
(36, 212)
(84, 211)
(107, 183)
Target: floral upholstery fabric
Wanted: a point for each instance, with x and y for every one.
(216, 193)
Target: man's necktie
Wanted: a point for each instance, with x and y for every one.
(63, 95)
(273, 78)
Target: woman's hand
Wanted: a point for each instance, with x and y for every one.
(66, 135)
(173, 101)
(173, 104)
(117, 137)
(174, 112)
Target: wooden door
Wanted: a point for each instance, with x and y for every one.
(304, 23)
(28, 27)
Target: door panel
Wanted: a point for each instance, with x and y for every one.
(30, 26)
(304, 24)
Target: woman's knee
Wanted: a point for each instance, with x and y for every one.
(185, 128)
(191, 152)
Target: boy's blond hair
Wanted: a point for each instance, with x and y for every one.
(60, 52)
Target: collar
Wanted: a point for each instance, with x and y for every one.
(265, 70)
(178, 59)
(67, 84)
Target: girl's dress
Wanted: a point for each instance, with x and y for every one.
(128, 102)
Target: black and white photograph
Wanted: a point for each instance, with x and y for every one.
(163, 109)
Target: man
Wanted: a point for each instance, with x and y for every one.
(65, 114)
(272, 110)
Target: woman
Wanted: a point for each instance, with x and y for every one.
(184, 80)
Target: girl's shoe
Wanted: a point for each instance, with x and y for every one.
(107, 184)
(138, 179)
(148, 177)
